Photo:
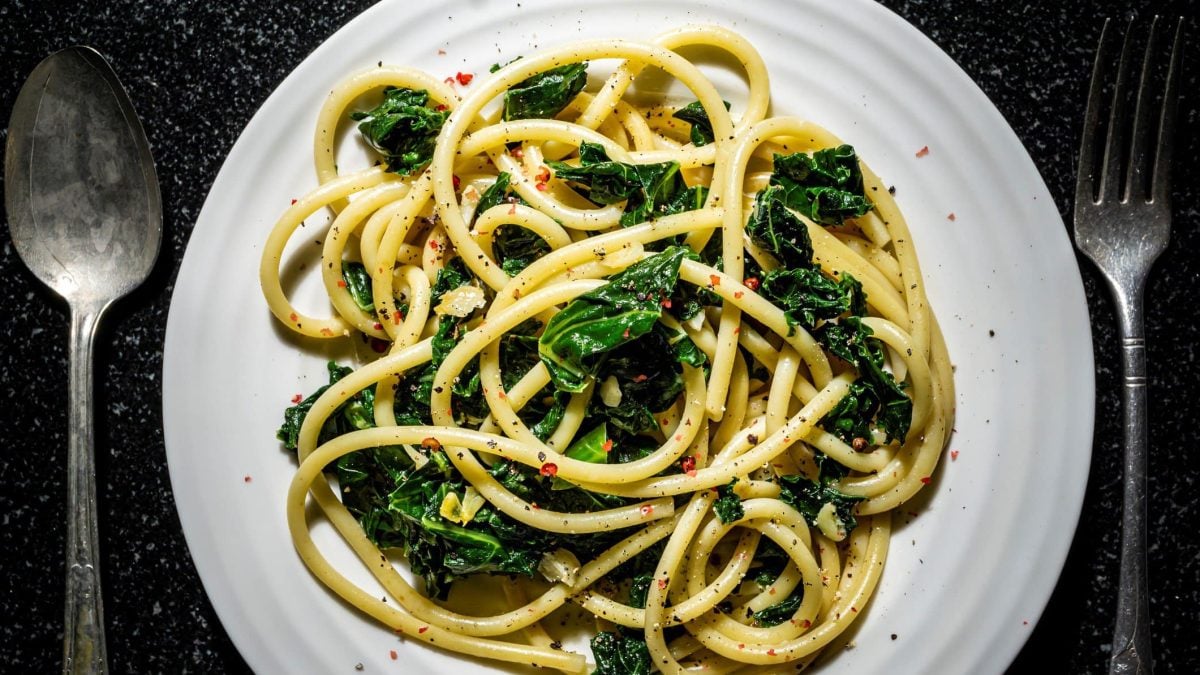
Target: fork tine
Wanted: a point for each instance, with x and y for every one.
(1084, 176)
(1138, 180)
(1160, 190)
(1117, 141)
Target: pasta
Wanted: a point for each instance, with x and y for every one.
(676, 358)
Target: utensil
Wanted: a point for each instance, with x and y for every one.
(1123, 223)
(85, 216)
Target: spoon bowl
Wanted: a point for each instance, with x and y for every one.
(86, 217)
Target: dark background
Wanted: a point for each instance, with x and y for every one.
(198, 70)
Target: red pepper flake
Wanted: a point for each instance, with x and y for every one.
(379, 346)
(326, 332)
(517, 152)
(512, 209)
(247, 479)
(397, 317)
(853, 609)
(666, 303)
(441, 52)
(647, 509)
(433, 244)
(737, 329)
(625, 334)
(456, 180)
(431, 443)
(806, 624)
(464, 78)
(925, 480)
(640, 378)
(549, 469)
(341, 283)
(293, 201)
(392, 653)
(741, 645)
(953, 455)
(752, 283)
(541, 187)
(923, 151)
(951, 217)
(679, 437)
(293, 317)
(662, 583)
(422, 629)
(440, 107)
(688, 464)
(737, 295)
(297, 398)
(535, 507)
(716, 280)
(378, 326)
(607, 447)
(544, 174)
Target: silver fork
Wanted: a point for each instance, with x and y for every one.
(1123, 223)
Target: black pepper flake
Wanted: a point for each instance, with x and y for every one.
(541, 456)
(893, 636)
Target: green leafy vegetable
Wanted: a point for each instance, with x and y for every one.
(773, 226)
(356, 413)
(515, 247)
(728, 506)
(807, 296)
(826, 187)
(850, 340)
(403, 128)
(639, 588)
(694, 114)
(358, 284)
(590, 446)
(620, 654)
(648, 190)
(809, 497)
(577, 339)
(546, 94)
(776, 614)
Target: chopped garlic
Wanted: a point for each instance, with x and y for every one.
(451, 508)
(610, 392)
(472, 501)
(828, 522)
(560, 565)
(461, 301)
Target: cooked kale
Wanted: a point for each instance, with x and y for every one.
(806, 295)
(648, 190)
(356, 413)
(773, 226)
(623, 653)
(826, 187)
(403, 128)
(775, 614)
(728, 505)
(546, 94)
(850, 340)
(695, 114)
(577, 339)
(358, 284)
(809, 497)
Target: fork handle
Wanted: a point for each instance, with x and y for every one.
(1131, 634)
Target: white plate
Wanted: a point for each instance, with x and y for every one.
(968, 576)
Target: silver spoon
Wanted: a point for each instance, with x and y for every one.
(85, 215)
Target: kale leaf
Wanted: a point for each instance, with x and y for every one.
(775, 614)
(577, 339)
(358, 284)
(650, 378)
(826, 187)
(355, 413)
(403, 128)
(546, 94)
(809, 497)
(806, 296)
(623, 653)
(850, 340)
(773, 226)
(694, 114)
(648, 190)
(515, 247)
(728, 505)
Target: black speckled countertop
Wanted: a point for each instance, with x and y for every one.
(198, 70)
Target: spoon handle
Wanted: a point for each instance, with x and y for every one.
(83, 635)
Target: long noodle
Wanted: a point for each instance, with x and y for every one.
(750, 417)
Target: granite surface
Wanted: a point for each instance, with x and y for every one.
(198, 70)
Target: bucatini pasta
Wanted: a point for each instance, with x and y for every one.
(669, 360)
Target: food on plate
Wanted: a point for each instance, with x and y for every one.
(670, 361)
